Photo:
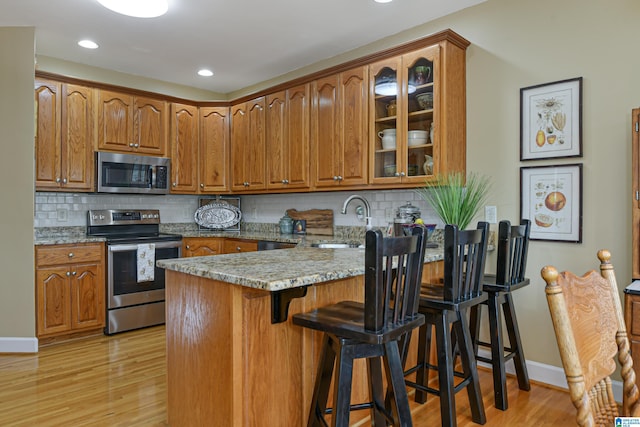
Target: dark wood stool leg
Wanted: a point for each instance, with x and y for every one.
(424, 349)
(470, 369)
(475, 315)
(376, 390)
(445, 370)
(323, 382)
(515, 343)
(342, 388)
(395, 379)
(497, 352)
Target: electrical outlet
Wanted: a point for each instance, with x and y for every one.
(491, 214)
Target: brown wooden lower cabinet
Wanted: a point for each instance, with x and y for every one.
(632, 320)
(202, 246)
(70, 289)
(234, 246)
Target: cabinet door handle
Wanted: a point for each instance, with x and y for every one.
(58, 180)
(136, 145)
(339, 178)
(64, 180)
(174, 184)
(402, 174)
(70, 254)
(397, 174)
(68, 273)
(73, 273)
(201, 185)
(188, 247)
(238, 248)
(131, 144)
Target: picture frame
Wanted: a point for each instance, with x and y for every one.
(551, 197)
(551, 120)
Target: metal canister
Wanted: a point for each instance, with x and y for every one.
(408, 211)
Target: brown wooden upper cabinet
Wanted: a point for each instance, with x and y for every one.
(63, 141)
(248, 146)
(287, 138)
(214, 149)
(132, 124)
(199, 149)
(417, 115)
(339, 129)
(184, 148)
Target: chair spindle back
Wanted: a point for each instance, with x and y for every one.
(393, 271)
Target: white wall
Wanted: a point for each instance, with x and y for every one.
(17, 301)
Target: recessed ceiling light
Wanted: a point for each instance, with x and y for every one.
(205, 73)
(137, 8)
(88, 44)
(383, 1)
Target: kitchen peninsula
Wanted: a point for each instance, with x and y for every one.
(234, 358)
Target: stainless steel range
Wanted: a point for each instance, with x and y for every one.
(135, 286)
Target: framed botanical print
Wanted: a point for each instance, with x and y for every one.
(551, 197)
(551, 120)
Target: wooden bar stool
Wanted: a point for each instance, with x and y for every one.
(445, 306)
(352, 330)
(513, 242)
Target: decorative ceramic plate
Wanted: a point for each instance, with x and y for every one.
(218, 215)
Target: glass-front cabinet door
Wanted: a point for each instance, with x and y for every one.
(404, 110)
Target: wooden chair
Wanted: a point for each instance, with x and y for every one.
(590, 331)
(352, 330)
(513, 243)
(445, 306)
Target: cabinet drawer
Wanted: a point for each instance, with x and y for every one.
(68, 254)
(232, 246)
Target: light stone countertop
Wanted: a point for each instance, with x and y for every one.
(281, 269)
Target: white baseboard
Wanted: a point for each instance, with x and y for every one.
(548, 374)
(18, 345)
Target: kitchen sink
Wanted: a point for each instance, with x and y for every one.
(336, 245)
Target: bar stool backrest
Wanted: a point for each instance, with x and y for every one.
(464, 261)
(393, 271)
(513, 243)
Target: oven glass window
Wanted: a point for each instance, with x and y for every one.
(125, 272)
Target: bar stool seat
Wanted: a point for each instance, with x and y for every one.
(513, 242)
(445, 307)
(353, 330)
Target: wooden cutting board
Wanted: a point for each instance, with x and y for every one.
(319, 221)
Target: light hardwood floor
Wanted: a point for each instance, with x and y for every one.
(120, 381)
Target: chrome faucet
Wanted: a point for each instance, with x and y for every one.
(367, 209)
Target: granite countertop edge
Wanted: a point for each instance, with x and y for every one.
(281, 269)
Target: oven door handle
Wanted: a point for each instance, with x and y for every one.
(133, 247)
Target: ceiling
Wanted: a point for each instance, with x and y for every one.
(244, 42)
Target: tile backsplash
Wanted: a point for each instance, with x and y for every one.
(70, 209)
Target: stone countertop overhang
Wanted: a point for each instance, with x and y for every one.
(281, 269)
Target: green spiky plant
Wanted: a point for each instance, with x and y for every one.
(455, 201)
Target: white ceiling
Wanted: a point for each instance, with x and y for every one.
(243, 41)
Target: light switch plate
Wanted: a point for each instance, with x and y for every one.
(491, 214)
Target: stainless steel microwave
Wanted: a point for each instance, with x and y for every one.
(128, 173)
